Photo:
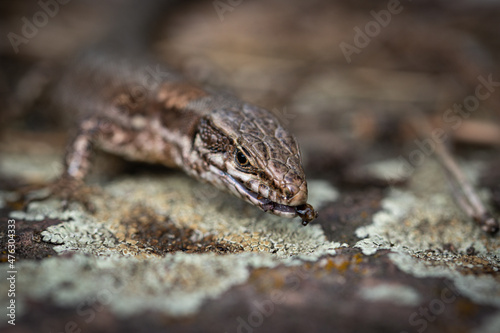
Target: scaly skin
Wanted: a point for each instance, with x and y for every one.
(128, 104)
(139, 110)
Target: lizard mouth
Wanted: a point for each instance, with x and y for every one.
(304, 211)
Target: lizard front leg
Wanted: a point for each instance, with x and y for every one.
(77, 161)
(70, 186)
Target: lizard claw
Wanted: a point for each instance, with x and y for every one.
(65, 188)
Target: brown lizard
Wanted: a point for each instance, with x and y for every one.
(128, 104)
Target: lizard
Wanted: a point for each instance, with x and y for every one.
(127, 104)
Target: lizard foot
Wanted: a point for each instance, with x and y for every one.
(65, 188)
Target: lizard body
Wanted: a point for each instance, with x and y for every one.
(134, 107)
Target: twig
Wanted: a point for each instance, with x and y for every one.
(478, 132)
(462, 189)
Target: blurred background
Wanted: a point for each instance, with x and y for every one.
(370, 88)
(344, 76)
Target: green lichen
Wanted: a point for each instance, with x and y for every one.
(429, 236)
(102, 269)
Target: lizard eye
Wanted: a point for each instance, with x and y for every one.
(242, 159)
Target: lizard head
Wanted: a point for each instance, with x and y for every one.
(247, 151)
